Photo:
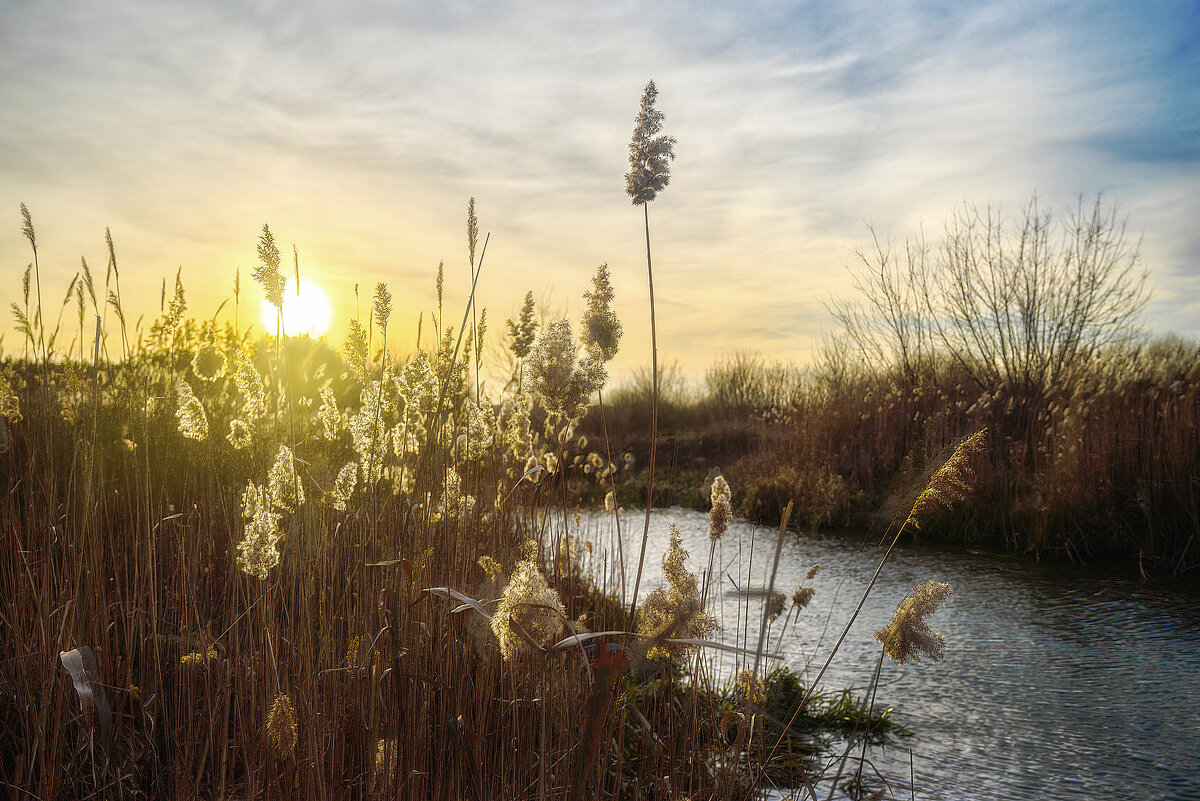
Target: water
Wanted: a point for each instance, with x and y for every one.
(1058, 683)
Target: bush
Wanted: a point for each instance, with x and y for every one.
(820, 496)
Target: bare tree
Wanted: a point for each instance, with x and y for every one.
(1027, 307)
(891, 324)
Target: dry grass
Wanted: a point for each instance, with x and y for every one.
(267, 623)
(1102, 469)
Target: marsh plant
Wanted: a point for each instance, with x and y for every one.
(275, 571)
(650, 155)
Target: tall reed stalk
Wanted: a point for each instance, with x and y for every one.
(650, 152)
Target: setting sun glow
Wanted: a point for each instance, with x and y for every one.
(307, 312)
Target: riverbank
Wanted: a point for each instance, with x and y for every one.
(1056, 678)
(1102, 471)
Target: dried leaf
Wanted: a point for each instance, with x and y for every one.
(446, 592)
(85, 675)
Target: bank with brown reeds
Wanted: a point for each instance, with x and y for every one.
(1105, 469)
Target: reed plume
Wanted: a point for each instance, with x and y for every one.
(908, 637)
(267, 273)
(650, 152)
(529, 607)
(282, 729)
(258, 551)
(675, 610)
(523, 330)
(561, 381)
(283, 487)
(950, 483)
(721, 513)
(190, 413)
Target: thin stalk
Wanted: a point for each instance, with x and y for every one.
(474, 329)
(762, 631)
(37, 273)
(375, 433)
(435, 429)
(845, 631)
(612, 478)
(653, 419)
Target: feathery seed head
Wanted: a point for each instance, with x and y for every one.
(472, 230)
(563, 385)
(908, 638)
(383, 304)
(355, 350)
(10, 404)
(283, 484)
(258, 551)
(408, 439)
(674, 610)
(241, 434)
(649, 152)
(480, 428)
(950, 483)
(524, 330)
(254, 500)
(27, 228)
(802, 596)
(775, 604)
(552, 372)
(331, 417)
(190, 413)
(418, 386)
(368, 430)
(281, 726)
(514, 420)
(267, 271)
(722, 509)
(528, 601)
(344, 484)
(250, 385)
(454, 503)
(601, 328)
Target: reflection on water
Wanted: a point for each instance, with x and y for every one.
(1058, 683)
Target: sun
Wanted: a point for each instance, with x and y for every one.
(306, 313)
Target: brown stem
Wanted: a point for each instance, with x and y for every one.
(653, 420)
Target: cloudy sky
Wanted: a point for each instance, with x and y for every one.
(358, 131)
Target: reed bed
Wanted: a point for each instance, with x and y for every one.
(1101, 469)
(244, 568)
(258, 568)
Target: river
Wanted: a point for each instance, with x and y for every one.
(1057, 683)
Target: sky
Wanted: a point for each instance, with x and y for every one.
(358, 131)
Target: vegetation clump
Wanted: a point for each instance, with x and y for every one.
(285, 566)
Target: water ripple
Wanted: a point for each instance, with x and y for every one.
(1057, 683)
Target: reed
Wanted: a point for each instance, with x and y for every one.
(265, 569)
(310, 574)
(1102, 469)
